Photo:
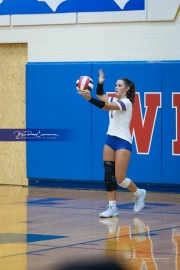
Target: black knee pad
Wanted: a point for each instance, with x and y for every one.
(109, 176)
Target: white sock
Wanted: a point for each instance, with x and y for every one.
(137, 192)
(112, 203)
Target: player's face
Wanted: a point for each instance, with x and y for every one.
(121, 89)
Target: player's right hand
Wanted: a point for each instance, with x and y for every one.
(101, 76)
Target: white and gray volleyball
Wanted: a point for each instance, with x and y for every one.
(85, 84)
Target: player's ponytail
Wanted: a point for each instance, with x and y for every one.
(131, 91)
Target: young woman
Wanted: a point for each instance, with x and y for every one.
(118, 146)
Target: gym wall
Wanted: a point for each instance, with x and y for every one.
(136, 33)
(141, 30)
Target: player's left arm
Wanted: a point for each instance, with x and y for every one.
(111, 106)
(122, 105)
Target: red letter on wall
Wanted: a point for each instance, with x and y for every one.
(142, 128)
(176, 105)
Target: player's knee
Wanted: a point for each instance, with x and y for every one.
(109, 176)
(125, 183)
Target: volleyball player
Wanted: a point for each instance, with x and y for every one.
(118, 146)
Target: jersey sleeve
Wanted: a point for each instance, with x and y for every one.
(124, 104)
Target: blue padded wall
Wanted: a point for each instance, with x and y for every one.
(52, 102)
(170, 160)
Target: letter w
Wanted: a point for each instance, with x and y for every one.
(142, 129)
(176, 105)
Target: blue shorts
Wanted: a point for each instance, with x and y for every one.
(117, 143)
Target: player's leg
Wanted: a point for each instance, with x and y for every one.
(110, 183)
(121, 165)
(122, 161)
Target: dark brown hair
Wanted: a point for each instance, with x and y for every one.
(131, 91)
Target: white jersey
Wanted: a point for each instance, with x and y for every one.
(119, 121)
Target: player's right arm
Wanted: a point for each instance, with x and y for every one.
(99, 90)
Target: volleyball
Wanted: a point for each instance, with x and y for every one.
(85, 84)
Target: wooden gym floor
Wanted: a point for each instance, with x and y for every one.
(42, 227)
